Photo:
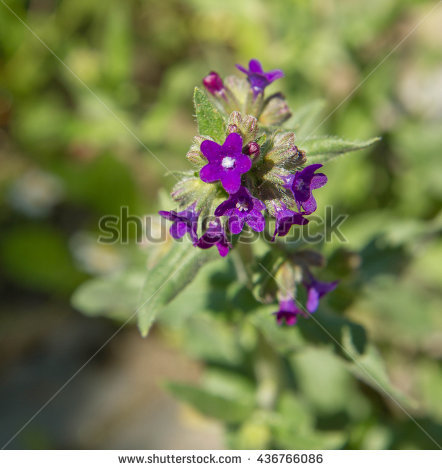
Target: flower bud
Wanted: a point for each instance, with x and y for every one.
(253, 150)
(231, 128)
(213, 83)
(275, 110)
(246, 126)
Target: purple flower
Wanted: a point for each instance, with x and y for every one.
(213, 83)
(285, 218)
(259, 79)
(226, 162)
(215, 235)
(242, 208)
(302, 183)
(183, 222)
(315, 290)
(288, 312)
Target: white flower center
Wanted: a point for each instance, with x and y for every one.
(228, 162)
(242, 206)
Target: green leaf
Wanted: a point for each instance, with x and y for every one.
(115, 296)
(168, 278)
(370, 368)
(205, 336)
(293, 427)
(213, 404)
(318, 369)
(209, 119)
(323, 149)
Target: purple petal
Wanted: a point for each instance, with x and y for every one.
(325, 287)
(223, 249)
(242, 69)
(255, 66)
(318, 181)
(178, 230)
(231, 182)
(225, 206)
(232, 144)
(312, 300)
(302, 194)
(211, 150)
(172, 215)
(313, 167)
(209, 173)
(236, 224)
(274, 75)
(258, 204)
(310, 204)
(242, 163)
(291, 320)
(256, 221)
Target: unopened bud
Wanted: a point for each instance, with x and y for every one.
(213, 83)
(253, 150)
(232, 128)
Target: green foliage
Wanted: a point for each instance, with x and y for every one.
(223, 396)
(168, 278)
(115, 295)
(329, 382)
(323, 149)
(209, 119)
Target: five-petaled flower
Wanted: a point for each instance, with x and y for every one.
(259, 79)
(315, 290)
(214, 235)
(288, 312)
(226, 162)
(242, 208)
(285, 218)
(183, 222)
(302, 183)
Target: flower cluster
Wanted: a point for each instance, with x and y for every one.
(246, 174)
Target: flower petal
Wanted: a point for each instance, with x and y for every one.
(274, 75)
(236, 224)
(210, 173)
(312, 299)
(318, 181)
(172, 215)
(223, 249)
(232, 144)
(211, 150)
(310, 204)
(255, 66)
(225, 206)
(231, 182)
(242, 69)
(256, 221)
(178, 229)
(242, 163)
(258, 204)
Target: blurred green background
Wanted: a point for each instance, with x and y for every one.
(74, 119)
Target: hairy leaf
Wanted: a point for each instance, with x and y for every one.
(210, 122)
(114, 296)
(323, 149)
(168, 278)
